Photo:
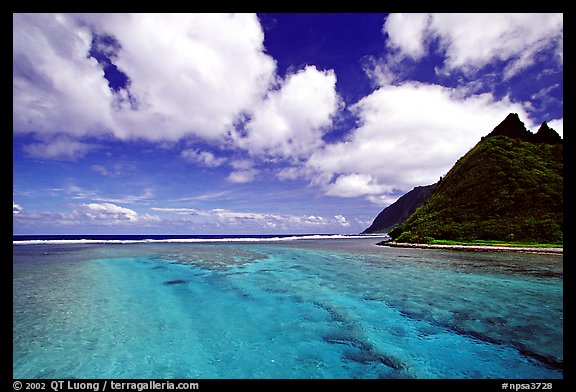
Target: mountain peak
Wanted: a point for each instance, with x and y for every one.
(513, 128)
(547, 135)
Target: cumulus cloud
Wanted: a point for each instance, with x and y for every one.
(408, 135)
(254, 220)
(203, 76)
(470, 41)
(86, 215)
(190, 74)
(100, 216)
(110, 213)
(292, 119)
(408, 33)
(204, 158)
(278, 220)
(57, 87)
(342, 220)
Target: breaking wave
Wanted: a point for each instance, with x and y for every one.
(67, 240)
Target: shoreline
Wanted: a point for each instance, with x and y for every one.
(475, 248)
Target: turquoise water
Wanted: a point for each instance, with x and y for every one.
(301, 309)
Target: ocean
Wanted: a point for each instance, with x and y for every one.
(281, 307)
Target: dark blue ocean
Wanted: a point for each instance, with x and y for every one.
(308, 307)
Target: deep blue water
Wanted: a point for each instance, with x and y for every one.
(307, 308)
(141, 237)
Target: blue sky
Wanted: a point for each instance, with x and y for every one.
(260, 123)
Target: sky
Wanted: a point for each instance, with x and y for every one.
(260, 123)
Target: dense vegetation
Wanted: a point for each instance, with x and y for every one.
(504, 189)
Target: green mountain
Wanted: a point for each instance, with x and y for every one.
(397, 212)
(508, 187)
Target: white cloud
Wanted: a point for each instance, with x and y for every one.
(342, 220)
(470, 41)
(57, 88)
(203, 76)
(407, 32)
(16, 209)
(311, 219)
(204, 158)
(254, 220)
(207, 196)
(557, 125)
(190, 74)
(232, 215)
(62, 148)
(183, 211)
(86, 216)
(408, 135)
(79, 193)
(242, 176)
(289, 173)
(353, 185)
(242, 164)
(291, 120)
(193, 73)
(98, 217)
(245, 172)
(108, 212)
(109, 170)
(383, 200)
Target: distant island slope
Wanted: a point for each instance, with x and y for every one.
(400, 210)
